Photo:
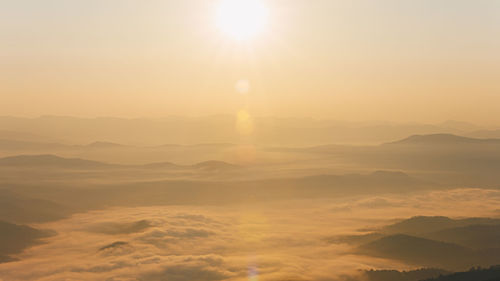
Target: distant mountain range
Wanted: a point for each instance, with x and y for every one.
(444, 139)
(420, 251)
(422, 224)
(476, 236)
(429, 274)
(15, 238)
(19, 208)
(452, 244)
(411, 275)
(53, 161)
(448, 159)
(202, 192)
(475, 274)
(50, 161)
(220, 129)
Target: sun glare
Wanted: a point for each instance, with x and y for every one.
(242, 19)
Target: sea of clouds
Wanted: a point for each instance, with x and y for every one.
(281, 241)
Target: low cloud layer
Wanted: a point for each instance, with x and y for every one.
(282, 241)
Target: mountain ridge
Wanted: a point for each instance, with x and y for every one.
(442, 139)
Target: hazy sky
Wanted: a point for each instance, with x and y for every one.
(426, 60)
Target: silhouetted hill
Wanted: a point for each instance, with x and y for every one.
(470, 232)
(443, 139)
(199, 145)
(380, 181)
(20, 145)
(394, 177)
(217, 129)
(162, 165)
(23, 136)
(459, 125)
(17, 208)
(432, 241)
(412, 275)
(476, 161)
(181, 191)
(479, 236)
(103, 145)
(490, 274)
(15, 238)
(50, 161)
(422, 224)
(214, 166)
(420, 251)
(446, 158)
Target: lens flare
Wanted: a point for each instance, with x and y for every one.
(242, 86)
(244, 123)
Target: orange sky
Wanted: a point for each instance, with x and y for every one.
(391, 60)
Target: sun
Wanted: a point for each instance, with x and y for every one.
(242, 19)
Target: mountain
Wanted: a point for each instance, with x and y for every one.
(23, 136)
(459, 125)
(417, 225)
(443, 139)
(211, 166)
(48, 160)
(424, 274)
(203, 192)
(214, 166)
(411, 275)
(445, 158)
(378, 181)
(53, 161)
(433, 241)
(479, 233)
(103, 145)
(162, 165)
(9, 145)
(420, 251)
(15, 238)
(422, 224)
(475, 274)
(218, 129)
(17, 208)
(478, 236)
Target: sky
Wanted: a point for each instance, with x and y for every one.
(394, 60)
